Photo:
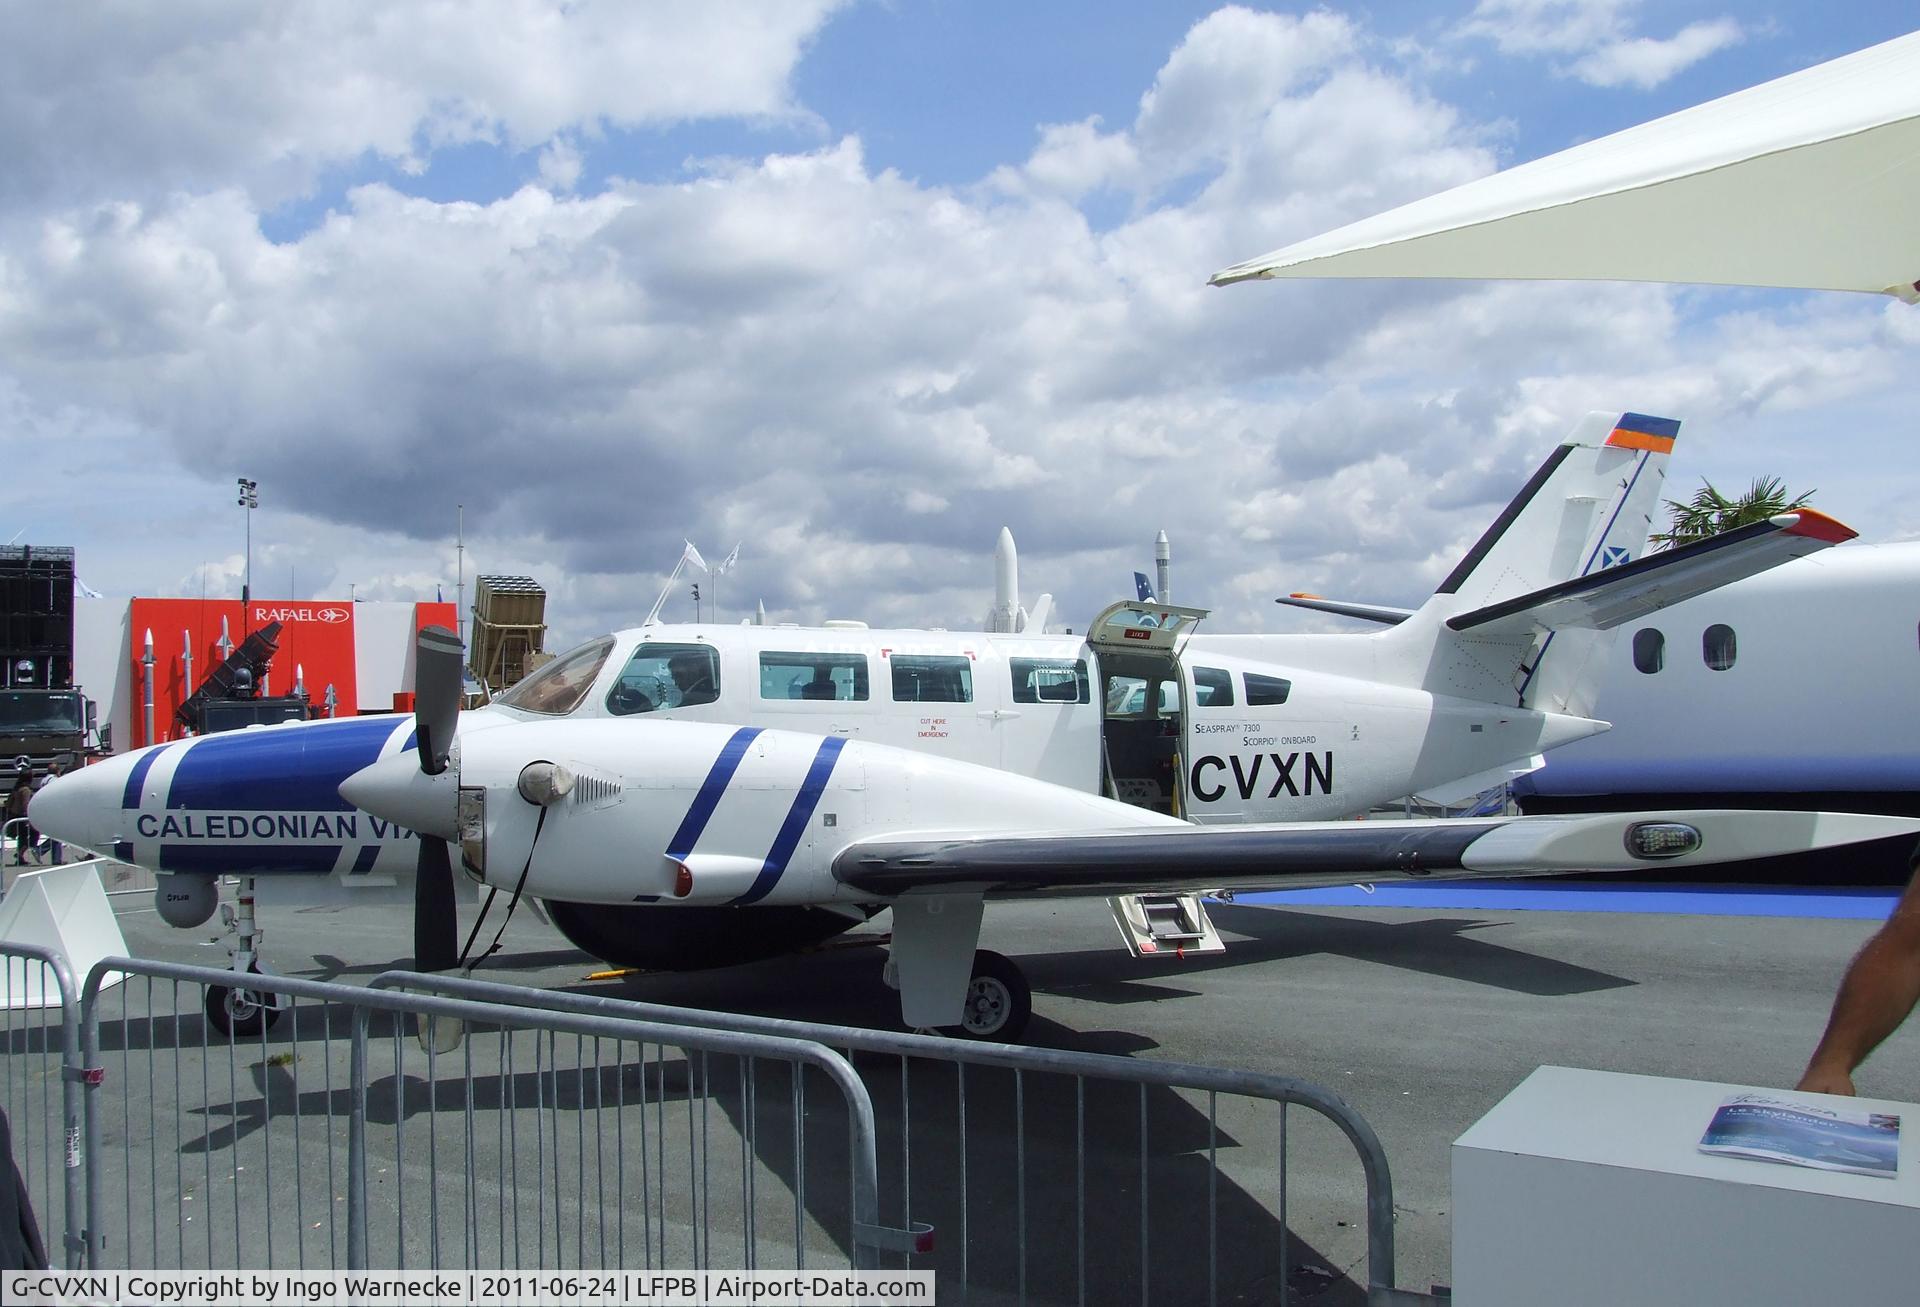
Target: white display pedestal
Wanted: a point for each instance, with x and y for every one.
(1589, 1187)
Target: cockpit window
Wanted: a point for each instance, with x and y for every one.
(666, 676)
(559, 687)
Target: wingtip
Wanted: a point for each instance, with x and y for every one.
(1816, 524)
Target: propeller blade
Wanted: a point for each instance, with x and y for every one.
(436, 695)
(436, 926)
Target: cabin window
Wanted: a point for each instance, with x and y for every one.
(1212, 688)
(1649, 650)
(1265, 690)
(820, 676)
(666, 676)
(935, 678)
(560, 686)
(1050, 680)
(1717, 647)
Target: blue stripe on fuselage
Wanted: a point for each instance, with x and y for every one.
(718, 778)
(796, 823)
(138, 776)
(286, 769)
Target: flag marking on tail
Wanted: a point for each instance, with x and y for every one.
(1638, 431)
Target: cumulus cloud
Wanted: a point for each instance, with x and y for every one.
(1646, 63)
(859, 375)
(1593, 40)
(121, 100)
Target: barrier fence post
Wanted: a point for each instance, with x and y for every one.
(54, 970)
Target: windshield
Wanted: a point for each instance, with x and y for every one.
(39, 711)
(560, 685)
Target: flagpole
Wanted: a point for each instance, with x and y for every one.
(665, 590)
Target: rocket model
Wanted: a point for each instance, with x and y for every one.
(1006, 616)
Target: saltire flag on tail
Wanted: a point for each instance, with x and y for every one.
(1143, 588)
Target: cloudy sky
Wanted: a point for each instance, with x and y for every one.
(855, 285)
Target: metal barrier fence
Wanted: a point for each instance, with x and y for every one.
(545, 1139)
(559, 1132)
(1090, 1158)
(40, 1091)
(115, 877)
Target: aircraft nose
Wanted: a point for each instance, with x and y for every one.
(83, 808)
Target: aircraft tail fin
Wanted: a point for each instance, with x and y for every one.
(1589, 508)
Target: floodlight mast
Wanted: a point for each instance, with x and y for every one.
(249, 500)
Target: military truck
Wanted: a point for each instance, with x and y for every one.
(44, 716)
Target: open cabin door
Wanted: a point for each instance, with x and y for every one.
(1143, 715)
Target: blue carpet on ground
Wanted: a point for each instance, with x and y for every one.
(1871, 903)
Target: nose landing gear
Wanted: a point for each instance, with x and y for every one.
(237, 1011)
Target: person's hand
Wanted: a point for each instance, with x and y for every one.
(1826, 1080)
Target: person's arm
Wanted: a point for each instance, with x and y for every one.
(1880, 988)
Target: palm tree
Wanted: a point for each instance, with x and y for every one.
(1709, 512)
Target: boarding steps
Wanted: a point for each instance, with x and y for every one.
(1165, 925)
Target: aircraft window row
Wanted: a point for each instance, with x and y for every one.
(561, 684)
(1718, 648)
(1050, 680)
(820, 676)
(666, 676)
(1213, 687)
(932, 678)
(1266, 690)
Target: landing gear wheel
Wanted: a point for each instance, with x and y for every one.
(239, 1013)
(999, 1001)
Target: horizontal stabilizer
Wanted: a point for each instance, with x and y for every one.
(1605, 599)
(1304, 855)
(1365, 612)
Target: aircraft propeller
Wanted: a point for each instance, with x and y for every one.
(436, 711)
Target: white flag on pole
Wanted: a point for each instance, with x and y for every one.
(692, 555)
(726, 564)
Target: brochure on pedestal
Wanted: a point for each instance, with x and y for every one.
(1770, 1129)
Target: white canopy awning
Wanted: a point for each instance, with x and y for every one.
(1811, 181)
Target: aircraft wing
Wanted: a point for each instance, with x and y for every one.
(1607, 598)
(1303, 855)
(1807, 181)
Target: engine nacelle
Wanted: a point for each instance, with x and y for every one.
(185, 900)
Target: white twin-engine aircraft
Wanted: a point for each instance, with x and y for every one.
(691, 796)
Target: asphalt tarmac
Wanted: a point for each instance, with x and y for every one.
(1422, 1017)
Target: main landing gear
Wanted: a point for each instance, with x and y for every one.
(998, 999)
(238, 1011)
